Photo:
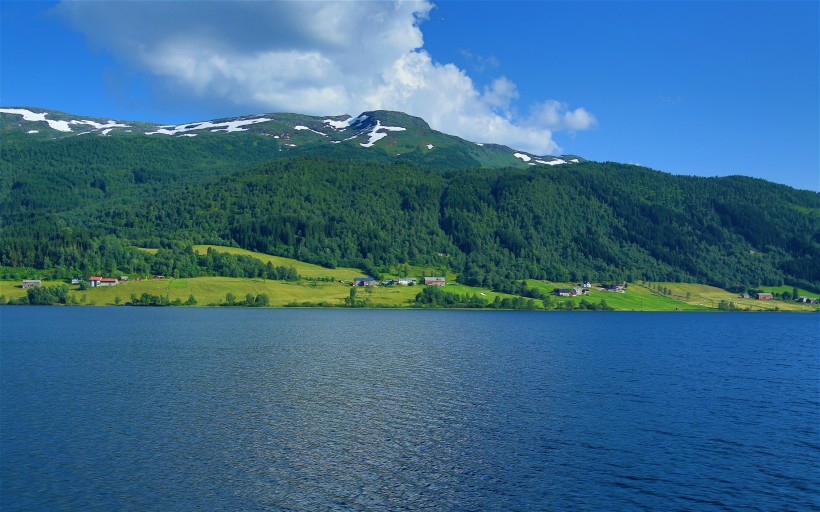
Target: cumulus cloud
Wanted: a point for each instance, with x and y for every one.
(319, 58)
(557, 116)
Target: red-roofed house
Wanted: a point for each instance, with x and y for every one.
(96, 281)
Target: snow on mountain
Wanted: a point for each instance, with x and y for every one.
(299, 128)
(346, 128)
(375, 135)
(556, 161)
(227, 126)
(56, 124)
(350, 121)
(28, 115)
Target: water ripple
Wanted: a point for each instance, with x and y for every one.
(403, 410)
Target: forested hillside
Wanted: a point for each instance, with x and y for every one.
(82, 204)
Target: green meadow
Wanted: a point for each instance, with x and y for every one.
(307, 270)
(330, 287)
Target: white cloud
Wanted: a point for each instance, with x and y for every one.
(557, 116)
(500, 93)
(319, 58)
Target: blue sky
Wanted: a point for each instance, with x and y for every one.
(699, 87)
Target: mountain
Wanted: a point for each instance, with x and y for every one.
(378, 191)
(389, 133)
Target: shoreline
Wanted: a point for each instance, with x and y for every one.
(310, 294)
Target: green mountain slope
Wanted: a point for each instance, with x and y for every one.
(314, 189)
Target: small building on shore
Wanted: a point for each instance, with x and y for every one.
(765, 296)
(32, 283)
(96, 281)
(363, 281)
(434, 281)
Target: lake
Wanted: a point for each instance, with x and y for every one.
(305, 410)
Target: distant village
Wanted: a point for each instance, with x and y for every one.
(580, 289)
(93, 281)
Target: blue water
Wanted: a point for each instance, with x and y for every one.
(306, 410)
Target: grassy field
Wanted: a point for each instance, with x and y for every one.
(214, 290)
(635, 298)
(312, 271)
(307, 270)
(684, 297)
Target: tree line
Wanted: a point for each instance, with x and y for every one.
(85, 206)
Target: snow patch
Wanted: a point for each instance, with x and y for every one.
(106, 131)
(430, 146)
(575, 161)
(228, 126)
(63, 126)
(33, 131)
(375, 135)
(557, 161)
(479, 144)
(341, 125)
(28, 115)
(188, 135)
(99, 126)
(299, 128)
(522, 156)
(60, 126)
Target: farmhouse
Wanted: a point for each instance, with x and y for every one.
(765, 296)
(363, 281)
(31, 283)
(565, 292)
(434, 281)
(96, 281)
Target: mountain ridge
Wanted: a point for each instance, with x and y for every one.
(395, 133)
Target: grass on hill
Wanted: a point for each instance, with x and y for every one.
(307, 270)
(214, 290)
